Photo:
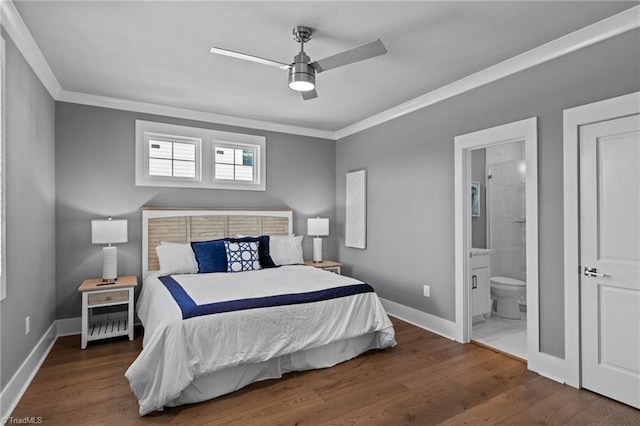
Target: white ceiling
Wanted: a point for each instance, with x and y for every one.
(158, 51)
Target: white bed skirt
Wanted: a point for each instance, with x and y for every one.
(231, 379)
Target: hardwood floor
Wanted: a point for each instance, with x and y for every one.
(425, 380)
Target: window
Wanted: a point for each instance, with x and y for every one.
(233, 163)
(239, 164)
(171, 155)
(236, 164)
(170, 158)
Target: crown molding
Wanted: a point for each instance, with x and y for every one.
(16, 28)
(188, 114)
(584, 37)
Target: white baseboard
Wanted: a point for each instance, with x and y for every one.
(13, 391)
(437, 325)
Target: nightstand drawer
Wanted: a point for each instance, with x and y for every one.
(327, 265)
(109, 297)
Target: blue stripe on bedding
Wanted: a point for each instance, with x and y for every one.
(190, 309)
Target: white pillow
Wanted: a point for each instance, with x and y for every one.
(176, 258)
(286, 250)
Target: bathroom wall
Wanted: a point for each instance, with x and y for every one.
(479, 223)
(506, 209)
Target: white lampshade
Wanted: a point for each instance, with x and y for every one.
(108, 231)
(318, 226)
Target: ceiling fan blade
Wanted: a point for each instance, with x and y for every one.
(309, 94)
(237, 55)
(360, 53)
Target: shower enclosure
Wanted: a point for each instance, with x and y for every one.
(506, 187)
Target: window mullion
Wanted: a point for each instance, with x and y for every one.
(173, 159)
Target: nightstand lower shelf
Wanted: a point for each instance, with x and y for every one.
(104, 329)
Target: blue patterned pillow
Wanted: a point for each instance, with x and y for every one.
(242, 256)
(263, 249)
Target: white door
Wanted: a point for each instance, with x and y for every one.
(610, 245)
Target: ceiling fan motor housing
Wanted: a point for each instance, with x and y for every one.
(302, 76)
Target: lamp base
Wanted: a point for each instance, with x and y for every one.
(317, 249)
(109, 264)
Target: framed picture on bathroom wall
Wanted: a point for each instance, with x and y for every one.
(475, 199)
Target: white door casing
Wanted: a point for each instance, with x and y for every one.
(517, 131)
(610, 245)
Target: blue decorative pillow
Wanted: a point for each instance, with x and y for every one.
(210, 255)
(242, 256)
(263, 249)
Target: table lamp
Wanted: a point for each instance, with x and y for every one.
(319, 227)
(109, 231)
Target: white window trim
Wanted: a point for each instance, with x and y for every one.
(204, 156)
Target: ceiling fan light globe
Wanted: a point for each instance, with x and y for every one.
(301, 86)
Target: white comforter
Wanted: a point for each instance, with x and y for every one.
(176, 351)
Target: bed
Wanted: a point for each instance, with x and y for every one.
(213, 332)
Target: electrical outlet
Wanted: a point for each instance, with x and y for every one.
(27, 325)
(427, 291)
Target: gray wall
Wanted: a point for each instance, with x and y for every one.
(95, 178)
(410, 172)
(30, 212)
(479, 224)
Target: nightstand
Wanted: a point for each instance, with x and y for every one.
(96, 294)
(327, 265)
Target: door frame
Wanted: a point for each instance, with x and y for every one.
(526, 130)
(574, 118)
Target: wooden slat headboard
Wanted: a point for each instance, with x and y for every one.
(189, 225)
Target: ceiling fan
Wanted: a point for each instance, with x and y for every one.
(302, 72)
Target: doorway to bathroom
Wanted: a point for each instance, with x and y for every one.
(498, 247)
(496, 238)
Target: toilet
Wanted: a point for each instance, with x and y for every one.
(506, 292)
